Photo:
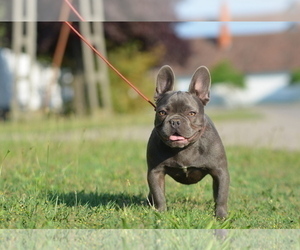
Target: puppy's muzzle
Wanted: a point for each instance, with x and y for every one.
(175, 123)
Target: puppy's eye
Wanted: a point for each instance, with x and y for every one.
(192, 113)
(162, 113)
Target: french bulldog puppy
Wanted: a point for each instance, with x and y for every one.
(184, 143)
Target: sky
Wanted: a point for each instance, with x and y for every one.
(212, 29)
(210, 10)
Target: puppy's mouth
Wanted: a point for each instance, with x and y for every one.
(177, 137)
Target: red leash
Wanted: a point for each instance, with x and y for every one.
(101, 56)
(74, 10)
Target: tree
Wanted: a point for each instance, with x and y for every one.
(295, 76)
(134, 65)
(224, 72)
(148, 35)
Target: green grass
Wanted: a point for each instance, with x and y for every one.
(54, 181)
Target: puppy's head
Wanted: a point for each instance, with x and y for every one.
(179, 118)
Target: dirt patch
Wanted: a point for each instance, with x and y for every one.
(279, 128)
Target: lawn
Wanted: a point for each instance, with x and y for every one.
(53, 176)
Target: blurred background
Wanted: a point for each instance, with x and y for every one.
(73, 134)
(251, 48)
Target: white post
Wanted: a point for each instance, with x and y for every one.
(23, 41)
(95, 70)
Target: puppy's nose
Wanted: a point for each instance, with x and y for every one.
(175, 123)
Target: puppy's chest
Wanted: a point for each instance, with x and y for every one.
(185, 160)
(187, 171)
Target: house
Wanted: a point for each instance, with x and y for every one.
(266, 60)
(30, 95)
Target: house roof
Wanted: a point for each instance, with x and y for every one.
(249, 54)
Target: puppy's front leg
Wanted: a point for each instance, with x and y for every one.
(221, 182)
(156, 182)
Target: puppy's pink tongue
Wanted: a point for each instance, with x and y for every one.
(176, 138)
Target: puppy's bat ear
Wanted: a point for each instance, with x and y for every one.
(200, 84)
(164, 81)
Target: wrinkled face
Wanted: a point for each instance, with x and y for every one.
(179, 118)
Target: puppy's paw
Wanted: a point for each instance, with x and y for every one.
(221, 213)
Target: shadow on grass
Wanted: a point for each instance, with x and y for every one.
(95, 199)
